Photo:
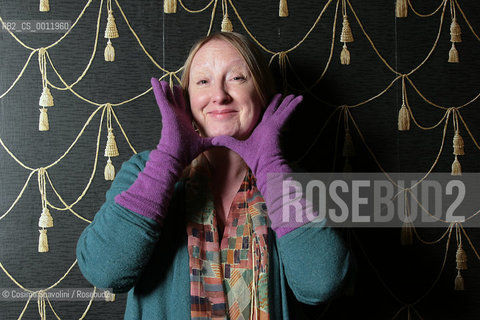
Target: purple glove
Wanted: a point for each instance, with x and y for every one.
(179, 144)
(261, 151)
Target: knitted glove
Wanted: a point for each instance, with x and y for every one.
(261, 152)
(179, 144)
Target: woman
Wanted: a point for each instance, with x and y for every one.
(197, 239)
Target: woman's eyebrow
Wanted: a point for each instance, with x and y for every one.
(199, 73)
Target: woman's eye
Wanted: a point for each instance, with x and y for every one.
(202, 82)
(239, 78)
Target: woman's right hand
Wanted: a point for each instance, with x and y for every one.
(178, 138)
(179, 144)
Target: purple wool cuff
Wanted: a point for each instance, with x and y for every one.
(287, 210)
(152, 191)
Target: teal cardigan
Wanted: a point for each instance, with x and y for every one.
(126, 251)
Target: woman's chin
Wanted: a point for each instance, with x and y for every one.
(236, 135)
(218, 133)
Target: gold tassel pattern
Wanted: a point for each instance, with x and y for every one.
(456, 168)
(283, 9)
(346, 35)
(43, 241)
(345, 55)
(455, 35)
(459, 283)
(46, 99)
(109, 53)
(461, 259)
(43, 124)
(109, 172)
(109, 296)
(111, 149)
(170, 6)
(226, 24)
(401, 9)
(458, 144)
(453, 54)
(404, 113)
(111, 32)
(403, 118)
(46, 220)
(455, 31)
(44, 6)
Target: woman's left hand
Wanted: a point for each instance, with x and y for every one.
(261, 151)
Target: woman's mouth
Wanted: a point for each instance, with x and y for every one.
(222, 114)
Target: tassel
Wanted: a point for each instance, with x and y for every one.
(461, 258)
(348, 148)
(46, 99)
(109, 53)
(406, 236)
(111, 32)
(43, 121)
(43, 241)
(170, 6)
(346, 35)
(459, 283)
(46, 220)
(456, 168)
(345, 55)
(455, 31)
(458, 144)
(283, 9)
(453, 54)
(226, 24)
(44, 6)
(401, 9)
(109, 171)
(111, 149)
(109, 296)
(403, 119)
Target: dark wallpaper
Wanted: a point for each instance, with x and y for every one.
(389, 276)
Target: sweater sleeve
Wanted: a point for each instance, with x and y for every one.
(115, 248)
(316, 262)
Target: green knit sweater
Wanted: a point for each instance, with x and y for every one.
(126, 251)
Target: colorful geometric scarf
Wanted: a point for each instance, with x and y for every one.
(227, 278)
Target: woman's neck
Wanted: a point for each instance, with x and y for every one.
(227, 170)
(225, 164)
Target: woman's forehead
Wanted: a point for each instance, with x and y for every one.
(217, 51)
(219, 65)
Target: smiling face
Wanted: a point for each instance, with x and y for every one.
(223, 98)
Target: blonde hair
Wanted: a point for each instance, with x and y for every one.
(262, 78)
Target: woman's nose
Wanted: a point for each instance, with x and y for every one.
(220, 94)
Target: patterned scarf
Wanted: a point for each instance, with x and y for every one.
(227, 278)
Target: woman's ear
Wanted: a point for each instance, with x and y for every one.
(195, 127)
